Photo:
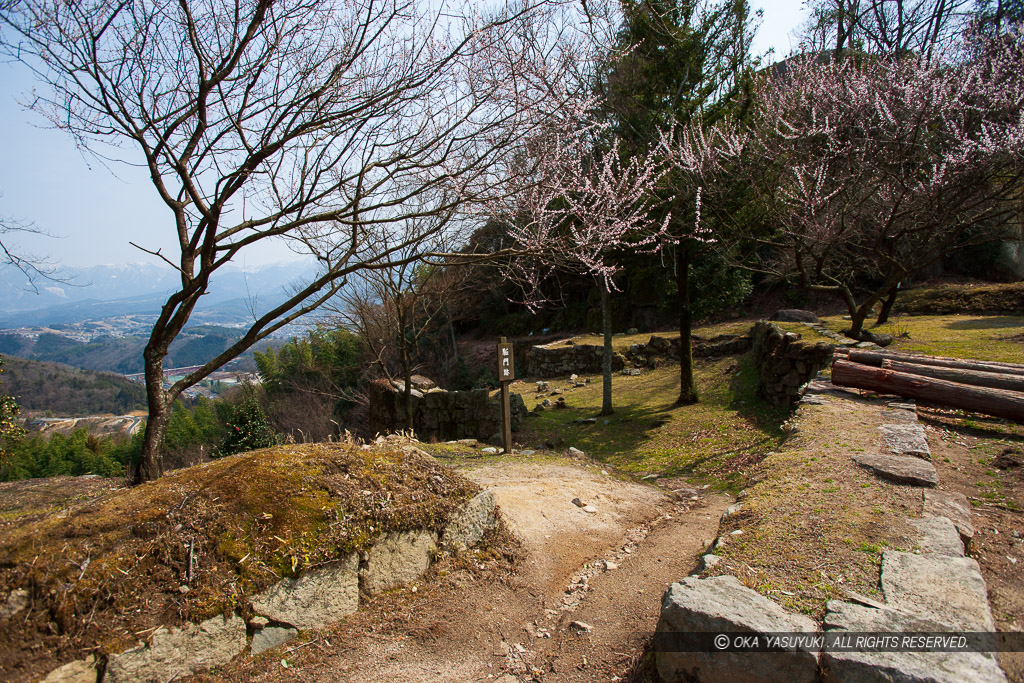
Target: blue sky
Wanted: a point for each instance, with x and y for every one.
(94, 210)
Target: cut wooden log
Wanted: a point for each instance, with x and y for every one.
(995, 402)
(995, 380)
(875, 358)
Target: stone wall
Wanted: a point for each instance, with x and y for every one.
(562, 361)
(441, 415)
(316, 599)
(785, 363)
(662, 349)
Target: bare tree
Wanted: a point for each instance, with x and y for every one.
(891, 27)
(319, 124)
(394, 310)
(34, 267)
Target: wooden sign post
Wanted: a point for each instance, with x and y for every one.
(506, 373)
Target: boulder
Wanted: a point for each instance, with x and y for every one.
(471, 522)
(949, 590)
(396, 560)
(319, 597)
(880, 338)
(794, 315)
(723, 604)
(78, 671)
(913, 667)
(179, 652)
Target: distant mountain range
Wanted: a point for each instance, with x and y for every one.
(100, 292)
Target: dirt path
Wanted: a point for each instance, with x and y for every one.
(471, 624)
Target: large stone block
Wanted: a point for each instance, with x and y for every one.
(79, 671)
(905, 439)
(840, 666)
(938, 536)
(178, 652)
(471, 522)
(948, 590)
(396, 560)
(902, 469)
(723, 604)
(319, 597)
(953, 506)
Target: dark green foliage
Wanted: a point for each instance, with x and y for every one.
(247, 430)
(196, 431)
(327, 360)
(75, 455)
(71, 391)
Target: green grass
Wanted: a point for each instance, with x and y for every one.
(994, 338)
(648, 433)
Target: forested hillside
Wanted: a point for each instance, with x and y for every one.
(69, 391)
(122, 355)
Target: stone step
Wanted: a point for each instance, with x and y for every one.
(910, 667)
(901, 469)
(949, 590)
(953, 506)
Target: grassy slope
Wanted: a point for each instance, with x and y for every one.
(712, 442)
(993, 337)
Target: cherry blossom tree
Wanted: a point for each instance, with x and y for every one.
(873, 169)
(583, 202)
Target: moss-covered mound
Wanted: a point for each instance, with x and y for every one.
(101, 574)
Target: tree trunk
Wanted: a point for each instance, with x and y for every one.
(995, 402)
(975, 378)
(857, 318)
(150, 464)
(876, 358)
(687, 386)
(407, 378)
(606, 355)
(887, 304)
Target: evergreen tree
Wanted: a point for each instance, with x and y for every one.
(678, 61)
(248, 430)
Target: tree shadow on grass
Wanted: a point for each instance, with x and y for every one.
(988, 323)
(748, 404)
(971, 424)
(627, 428)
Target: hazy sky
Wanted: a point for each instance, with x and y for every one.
(95, 210)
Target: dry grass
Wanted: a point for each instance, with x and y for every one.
(712, 441)
(205, 539)
(1003, 298)
(814, 527)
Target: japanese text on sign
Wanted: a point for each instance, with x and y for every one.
(506, 363)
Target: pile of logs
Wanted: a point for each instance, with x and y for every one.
(986, 387)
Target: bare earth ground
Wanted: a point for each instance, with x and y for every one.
(478, 622)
